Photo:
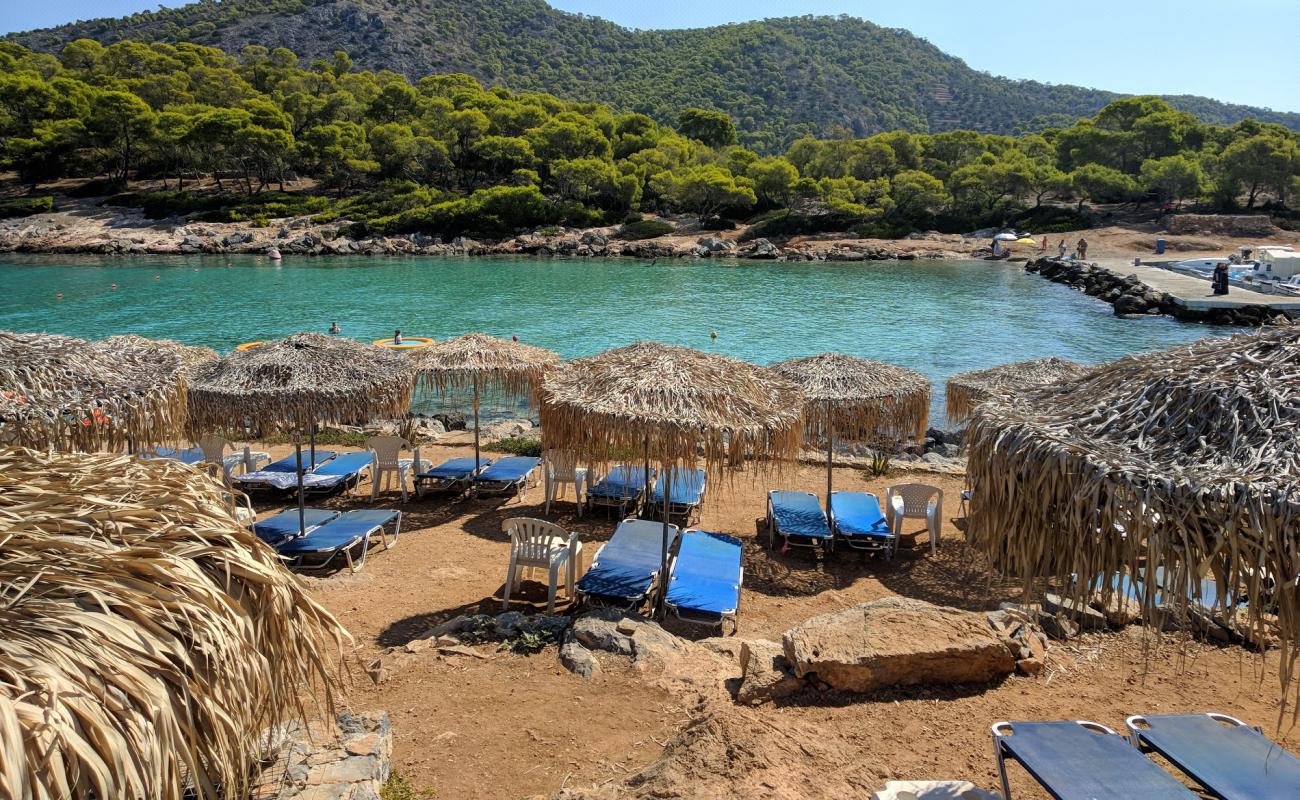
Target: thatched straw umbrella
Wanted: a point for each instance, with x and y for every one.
(679, 406)
(968, 389)
(1183, 461)
(146, 638)
(299, 382)
(475, 361)
(66, 393)
(191, 355)
(858, 400)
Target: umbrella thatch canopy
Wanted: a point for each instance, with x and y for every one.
(298, 382)
(855, 399)
(146, 638)
(673, 404)
(968, 389)
(1185, 461)
(476, 360)
(191, 355)
(687, 407)
(66, 393)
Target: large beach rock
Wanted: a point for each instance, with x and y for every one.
(897, 641)
(768, 674)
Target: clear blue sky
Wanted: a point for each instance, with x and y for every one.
(1242, 51)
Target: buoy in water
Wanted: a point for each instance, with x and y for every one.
(515, 337)
(113, 286)
(157, 277)
(58, 295)
(713, 334)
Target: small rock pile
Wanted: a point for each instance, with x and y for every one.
(349, 762)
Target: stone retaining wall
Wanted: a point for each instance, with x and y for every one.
(351, 761)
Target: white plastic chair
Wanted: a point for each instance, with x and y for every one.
(241, 506)
(538, 544)
(915, 501)
(389, 463)
(561, 470)
(214, 454)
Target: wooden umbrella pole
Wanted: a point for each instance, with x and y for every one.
(313, 446)
(830, 458)
(645, 452)
(663, 553)
(476, 446)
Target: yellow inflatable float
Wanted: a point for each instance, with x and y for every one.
(408, 343)
(249, 345)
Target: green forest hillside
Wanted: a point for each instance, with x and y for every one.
(779, 79)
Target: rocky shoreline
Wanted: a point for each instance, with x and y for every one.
(101, 231)
(1129, 296)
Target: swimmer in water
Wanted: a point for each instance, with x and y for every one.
(397, 336)
(334, 328)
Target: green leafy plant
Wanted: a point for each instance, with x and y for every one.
(26, 206)
(530, 642)
(397, 787)
(645, 229)
(516, 446)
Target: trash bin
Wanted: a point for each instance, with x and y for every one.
(1160, 247)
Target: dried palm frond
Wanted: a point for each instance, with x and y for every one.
(476, 359)
(298, 381)
(968, 389)
(1185, 461)
(679, 405)
(190, 355)
(65, 393)
(146, 638)
(860, 400)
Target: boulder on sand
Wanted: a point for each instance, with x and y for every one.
(897, 641)
(768, 674)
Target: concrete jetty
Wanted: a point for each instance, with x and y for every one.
(1194, 293)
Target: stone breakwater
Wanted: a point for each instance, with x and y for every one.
(1130, 296)
(128, 233)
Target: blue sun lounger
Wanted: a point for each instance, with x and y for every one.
(344, 472)
(451, 476)
(282, 475)
(1225, 755)
(1082, 761)
(187, 455)
(282, 527)
(857, 520)
(625, 568)
(624, 486)
(705, 578)
(507, 476)
(345, 535)
(686, 494)
(798, 518)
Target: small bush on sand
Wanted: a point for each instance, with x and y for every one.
(516, 446)
(26, 206)
(645, 229)
(397, 787)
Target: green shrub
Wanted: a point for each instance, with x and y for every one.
(549, 230)
(633, 216)
(516, 446)
(26, 206)
(397, 787)
(646, 229)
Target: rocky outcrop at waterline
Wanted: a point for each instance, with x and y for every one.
(1129, 296)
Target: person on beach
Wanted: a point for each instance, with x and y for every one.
(1082, 248)
(397, 336)
(1043, 249)
(1220, 280)
(334, 329)
(1060, 249)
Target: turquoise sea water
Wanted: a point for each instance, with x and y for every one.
(939, 317)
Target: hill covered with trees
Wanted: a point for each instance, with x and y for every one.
(779, 79)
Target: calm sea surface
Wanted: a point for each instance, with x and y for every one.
(939, 317)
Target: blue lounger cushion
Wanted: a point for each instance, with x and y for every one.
(799, 514)
(1073, 763)
(859, 514)
(188, 455)
(508, 470)
(685, 487)
(344, 531)
(622, 483)
(283, 474)
(627, 565)
(1235, 763)
(284, 526)
(706, 575)
(332, 474)
(455, 469)
(290, 462)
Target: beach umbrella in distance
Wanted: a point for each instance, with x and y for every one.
(1165, 468)
(477, 361)
(132, 588)
(680, 406)
(855, 399)
(191, 356)
(297, 383)
(967, 390)
(1005, 237)
(59, 392)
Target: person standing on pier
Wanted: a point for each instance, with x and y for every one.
(1220, 279)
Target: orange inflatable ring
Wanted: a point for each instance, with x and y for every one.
(408, 343)
(249, 346)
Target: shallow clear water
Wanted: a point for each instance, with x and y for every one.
(939, 317)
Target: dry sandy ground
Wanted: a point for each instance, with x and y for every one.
(508, 726)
